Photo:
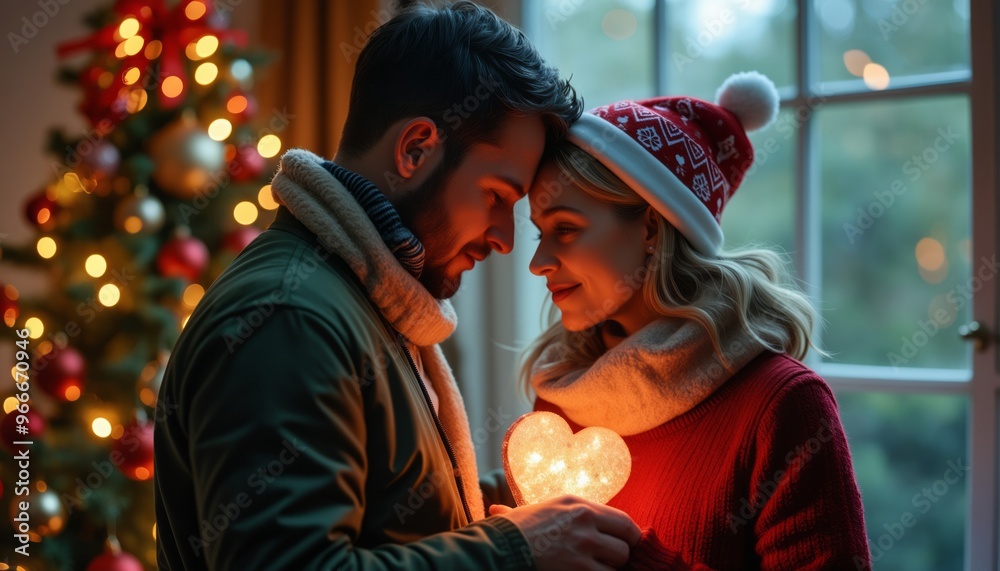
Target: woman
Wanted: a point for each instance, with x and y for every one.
(692, 354)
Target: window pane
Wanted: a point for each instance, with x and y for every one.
(905, 37)
(763, 209)
(910, 458)
(605, 45)
(712, 39)
(896, 201)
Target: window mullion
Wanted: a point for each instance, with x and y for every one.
(661, 48)
(808, 222)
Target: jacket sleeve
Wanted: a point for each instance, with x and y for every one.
(277, 441)
(809, 511)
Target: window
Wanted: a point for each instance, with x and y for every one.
(879, 167)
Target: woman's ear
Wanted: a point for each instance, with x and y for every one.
(417, 141)
(652, 226)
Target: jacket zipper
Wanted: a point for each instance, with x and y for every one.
(440, 427)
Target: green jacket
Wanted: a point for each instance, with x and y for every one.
(293, 432)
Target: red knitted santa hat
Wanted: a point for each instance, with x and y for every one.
(685, 156)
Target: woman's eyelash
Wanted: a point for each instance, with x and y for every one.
(561, 230)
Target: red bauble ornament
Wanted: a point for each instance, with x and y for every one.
(9, 425)
(115, 561)
(40, 210)
(182, 257)
(240, 238)
(247, 164)
(63, 369)
(135, 451)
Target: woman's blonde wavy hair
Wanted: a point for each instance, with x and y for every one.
(751, 284)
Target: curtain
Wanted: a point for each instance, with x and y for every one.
(317, 43)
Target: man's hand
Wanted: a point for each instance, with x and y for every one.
(569, 532)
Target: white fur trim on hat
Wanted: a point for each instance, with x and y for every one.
(752, 97)
(649, 178)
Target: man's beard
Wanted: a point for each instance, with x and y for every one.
(423, 211)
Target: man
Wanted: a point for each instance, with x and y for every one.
(317, 425)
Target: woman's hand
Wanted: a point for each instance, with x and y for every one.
(650, 554)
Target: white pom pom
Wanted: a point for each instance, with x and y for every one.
(752, 97)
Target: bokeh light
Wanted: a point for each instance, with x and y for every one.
(245, 213)
(269, 146)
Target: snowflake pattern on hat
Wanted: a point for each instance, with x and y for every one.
(661, 130)
(650, 139)
(681, 133)
(700, 187)
(685, 156)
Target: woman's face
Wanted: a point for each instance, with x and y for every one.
(593, 261)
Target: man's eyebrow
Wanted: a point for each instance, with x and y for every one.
(520, 189)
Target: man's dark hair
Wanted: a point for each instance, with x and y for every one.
(463, 67)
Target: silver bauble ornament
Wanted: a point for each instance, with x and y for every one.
(140, 213)
(186, 159)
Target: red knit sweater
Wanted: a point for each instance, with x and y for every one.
(757, 476)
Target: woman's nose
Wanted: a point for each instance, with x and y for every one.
(542, 262)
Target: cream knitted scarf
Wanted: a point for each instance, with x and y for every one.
(321, 202)
(652, 376)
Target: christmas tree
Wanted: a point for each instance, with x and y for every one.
(138, 216)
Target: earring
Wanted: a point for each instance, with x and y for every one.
(649, 249)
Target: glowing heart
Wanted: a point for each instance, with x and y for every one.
(543, 459)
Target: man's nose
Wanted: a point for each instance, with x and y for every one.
(500, 235)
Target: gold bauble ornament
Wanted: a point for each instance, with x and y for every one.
(43, 515)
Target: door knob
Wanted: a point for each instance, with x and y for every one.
(977, 334)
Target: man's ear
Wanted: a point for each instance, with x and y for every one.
(416, 142)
